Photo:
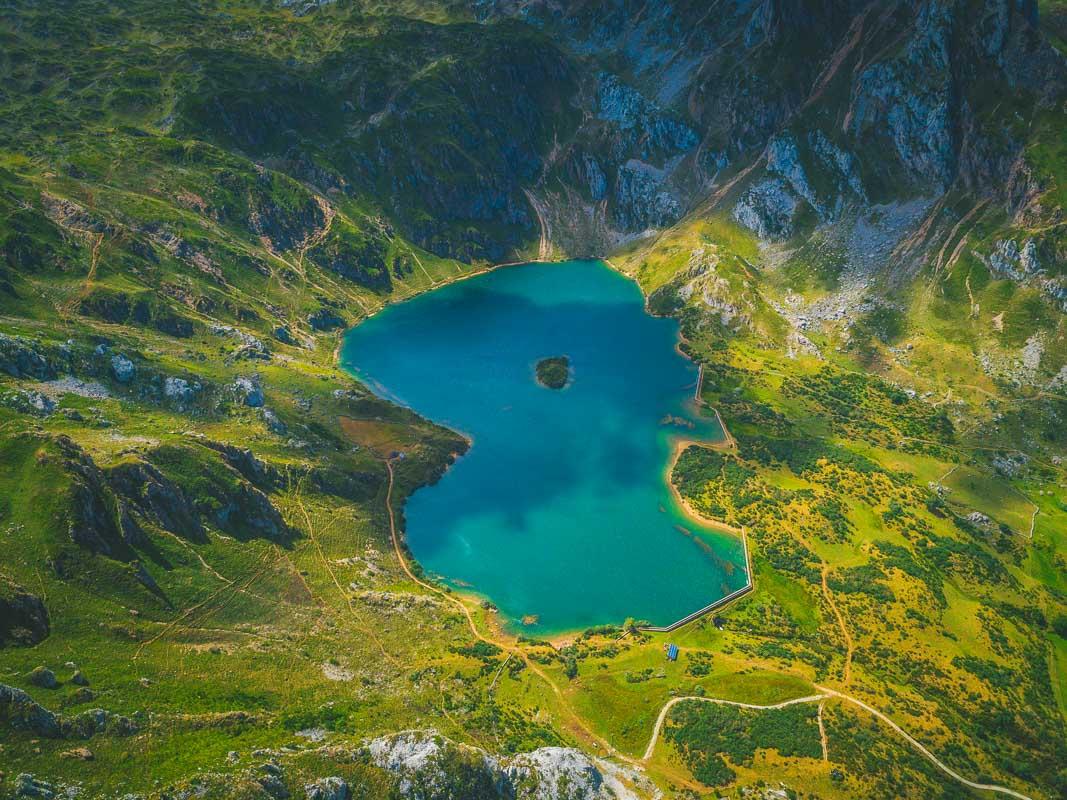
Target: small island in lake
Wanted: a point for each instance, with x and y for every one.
(553, 373)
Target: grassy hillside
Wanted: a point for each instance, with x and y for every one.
(197, 506)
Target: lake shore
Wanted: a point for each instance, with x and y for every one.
(503, 623)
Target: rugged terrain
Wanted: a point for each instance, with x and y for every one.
(854, 208)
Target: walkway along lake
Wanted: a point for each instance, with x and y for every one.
(559, 512)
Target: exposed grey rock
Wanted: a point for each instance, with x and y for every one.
(767, 209)
(840, 161)
(93, 523)
(590, 174)
(312, 734)
(909, 94)
(122, 368)
(274, 786)
(274, 424)
(641, 198)
(654, 132)
(302, 8)
(783, 158)
(179, 389)
(97, 720)
(29, 401)
(21, 358)
(249, 392)
(71, 385)
(332, 788)
(83, 695)
(244, 461)
(156, 498)
(27, 785)
(424, 763)
(21, 711)
(250, 347)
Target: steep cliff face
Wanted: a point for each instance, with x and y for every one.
(834, 104)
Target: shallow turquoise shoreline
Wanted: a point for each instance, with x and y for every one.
(559, 510)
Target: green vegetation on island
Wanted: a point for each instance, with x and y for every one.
(553, 373)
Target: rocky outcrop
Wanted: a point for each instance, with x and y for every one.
(249, 392)
(242, 459)
(428, 765)
(98, 521)
(156, 498)
(144, 309)
(326, 319)
(332, 788)
(23, 616)
(22, 358)
(354, 254)
(767, 209)
(22, 712)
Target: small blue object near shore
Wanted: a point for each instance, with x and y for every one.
(672, 652)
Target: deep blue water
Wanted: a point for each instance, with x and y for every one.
(560, 509)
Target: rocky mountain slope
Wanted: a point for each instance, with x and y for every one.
(856, 210)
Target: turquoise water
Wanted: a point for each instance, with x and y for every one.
(560, 509)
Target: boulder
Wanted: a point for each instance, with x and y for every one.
(274, 786)
(122, 368)
(29, 401)
(179, 389)
(249, 392)
(23, 616)
(82, 695)
(43, 677)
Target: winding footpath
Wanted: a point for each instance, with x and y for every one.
(671, 703)
(586, 733)
(825, 694)
(578, 725)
